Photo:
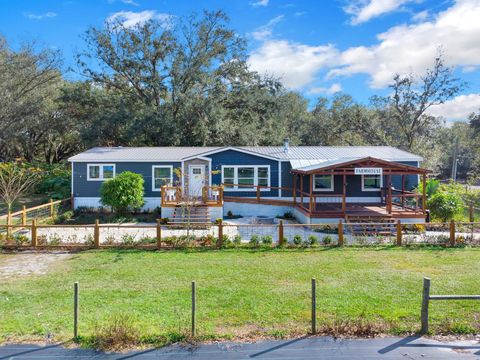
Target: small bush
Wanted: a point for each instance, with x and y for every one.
(54, 240)
(327, 240)
(164, 221)
(267, 240)
(21, 239)
(226, 240)
(297, 239)
(128, 239)
(237, 239)
(89, 240)
(312, 240)
(445, 205)
(288, 215)
(208, 240)
(118, 333)
(123, 192)
(229, 214)
(254, 240)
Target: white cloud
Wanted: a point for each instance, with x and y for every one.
(46, 15)
(130, 18)
(459, 108)
(265, 31)
(296, 64)
(259, 3)
(412, 48)
(365, 10)
(421, 16)
(334, 88)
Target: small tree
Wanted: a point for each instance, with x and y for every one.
(123, 192)
(16, 178)
(445, 205)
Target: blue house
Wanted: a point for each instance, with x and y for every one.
(315, 183)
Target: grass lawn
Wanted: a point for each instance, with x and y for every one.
(244, 293)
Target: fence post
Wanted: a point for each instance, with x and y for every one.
(340, 233)
(24, 215)
(194, 307)
(72, 202)
(159, 234)
(9, 222)
(452, 232)
(399, 233)
(34, 233)
(314, 306)
(51, 208)
(220, 233)
(425, 300)
(96, 234)
(280, 233)
(470, 212)
(75, 310)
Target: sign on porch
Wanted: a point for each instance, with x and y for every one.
(368, 171)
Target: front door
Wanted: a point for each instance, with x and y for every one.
(196, 180)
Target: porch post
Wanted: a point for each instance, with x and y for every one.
(301, 189)
(424, 198)
(312, 205)
(389, 203)
(344, 197)
(294, 188)
(403, 191)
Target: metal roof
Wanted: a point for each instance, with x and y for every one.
(307, 165)
(297, 153)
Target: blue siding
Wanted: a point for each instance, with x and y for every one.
(232, 157)
(84, 188)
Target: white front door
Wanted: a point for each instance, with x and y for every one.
(196, 180)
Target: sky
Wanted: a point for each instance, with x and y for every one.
(317, 47)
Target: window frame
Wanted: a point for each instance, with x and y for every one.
(332, 183)
(376, 189)
(170, 167)
(100, 172)
(255, 178)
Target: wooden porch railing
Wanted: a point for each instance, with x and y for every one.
(174, 195)
(312, 200)
(405, 200)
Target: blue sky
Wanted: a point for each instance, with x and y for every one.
(317, 47)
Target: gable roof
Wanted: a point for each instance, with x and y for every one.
(179, 153)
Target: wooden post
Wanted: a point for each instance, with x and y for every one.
(403, 191)
(194, 305)
(389, 182)
(34, 233)
(9, 222)
(301, 190)
(344, 191)
(294, 188)
(340, 233)
(159, 234)
(221, 195)
(425, 300)
(280, 233)
(75, 310)
(312, 198)
(470, 212)
(258, 193)
(72, 201)
(220, 234)
(424, 196)
(399, 233)
(51, 208)
(314, 306)
(96, 234)
(24, 215)
(452, 232)
(162, 195)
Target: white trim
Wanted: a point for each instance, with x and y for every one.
(161, 167)
(377, 189)
(72, 192)
(100, 172)
(255, 177)
(332, 181)
(234, 149)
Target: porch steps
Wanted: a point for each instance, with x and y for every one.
(371, 224)
(198, 215)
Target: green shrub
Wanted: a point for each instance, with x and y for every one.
(327, 240)
(21, 239)
(164, 221)
(297, 239)
(229, 214)
(312, 240)
(55, 181)
(254, 240)
(226, 240)
(267, 240)
(123, 192)
(208, 240)
(445, 205)
(288, 215)
(237, 239)
(128, 239)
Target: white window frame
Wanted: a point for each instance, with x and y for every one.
(377, 189)
(326, 189)
(101, 178)
(255, 177)
(161, 167)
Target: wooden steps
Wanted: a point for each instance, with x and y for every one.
(198, 215)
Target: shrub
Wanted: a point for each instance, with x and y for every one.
(254, 240)
(312, 240)
(119, 332)
(237, 239)
(64, 217)
(208, 240)
(445, 205)
(226, 240)
(164, 221)
(127, 239)
(267, 240)
(288, 215)
(54, 181)
(327, 240)
(123, 192)
(229, 214)
(54, 240)
(297, 239)
(21, 239)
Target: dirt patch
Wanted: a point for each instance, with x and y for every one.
(24, 264)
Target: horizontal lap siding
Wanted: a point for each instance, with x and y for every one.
(232, 157)
(84, 188)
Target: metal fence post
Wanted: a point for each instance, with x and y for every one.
(314, 306)
(159, 234)
(452, 232)
(280, 234)
(425, 300)
(34, 233)
(220, 233)
(75, 310)
(194, 300)
(340, 233)
(399, 233)
(96, 234)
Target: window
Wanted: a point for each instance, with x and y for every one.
(248, 176)
(161, 175)
(372, 182)
(99, 172)
(323, 182)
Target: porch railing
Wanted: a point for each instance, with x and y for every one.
(401, 200)
(175, 195)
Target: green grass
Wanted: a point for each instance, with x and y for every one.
(244, 293)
